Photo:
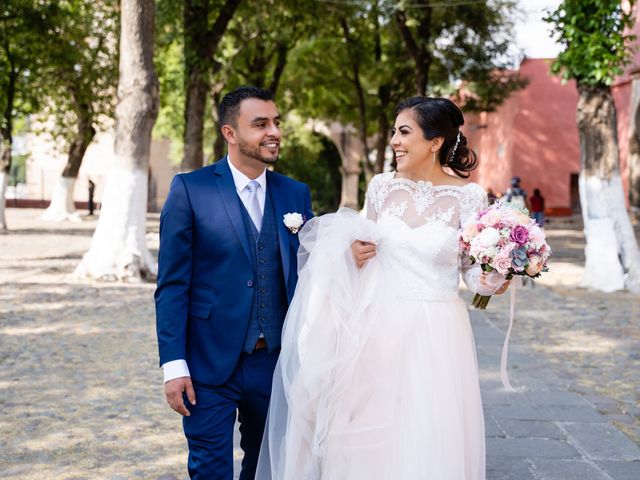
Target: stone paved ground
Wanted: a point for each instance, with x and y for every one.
(81, 397)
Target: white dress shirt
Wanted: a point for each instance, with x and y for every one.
(179, 368)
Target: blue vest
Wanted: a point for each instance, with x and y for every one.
(269, 294)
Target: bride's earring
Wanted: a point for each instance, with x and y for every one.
(434, 157)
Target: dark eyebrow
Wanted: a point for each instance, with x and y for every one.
(405, 126)
(264, 119)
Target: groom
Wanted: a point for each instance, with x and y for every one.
(226, 274)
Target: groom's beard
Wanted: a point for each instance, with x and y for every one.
(254, 152)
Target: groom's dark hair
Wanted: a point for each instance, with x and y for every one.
(229, 107)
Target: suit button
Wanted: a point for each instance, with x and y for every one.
(249, 283)
(262, 275)
(261, 247)
(261, 261)
(262, 305)
(262, 290)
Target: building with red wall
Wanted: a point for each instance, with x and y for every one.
(534, 135)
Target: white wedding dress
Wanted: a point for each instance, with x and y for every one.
(378, 377)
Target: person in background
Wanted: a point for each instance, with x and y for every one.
(537, 207)
(515, 195)
(90, 204)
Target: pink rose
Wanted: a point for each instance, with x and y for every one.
(490, 218)
(502, 263)
(520, 235)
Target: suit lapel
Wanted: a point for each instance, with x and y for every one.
(278, 198)
(227, 189)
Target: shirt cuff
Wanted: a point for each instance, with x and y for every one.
(175, 369)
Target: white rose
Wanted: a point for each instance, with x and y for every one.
(293, 221)
(489, 237)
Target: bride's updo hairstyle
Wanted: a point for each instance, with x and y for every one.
(440, 117)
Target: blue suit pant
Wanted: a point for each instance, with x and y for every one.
(209, 429)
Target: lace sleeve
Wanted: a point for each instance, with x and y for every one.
(474, 200)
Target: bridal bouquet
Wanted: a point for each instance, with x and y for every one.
(505, 239)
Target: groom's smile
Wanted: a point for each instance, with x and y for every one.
(257, 132)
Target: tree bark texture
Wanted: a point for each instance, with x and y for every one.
(602, 196)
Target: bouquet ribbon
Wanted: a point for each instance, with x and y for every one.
(505, 347)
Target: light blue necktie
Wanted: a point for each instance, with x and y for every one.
(253, 206)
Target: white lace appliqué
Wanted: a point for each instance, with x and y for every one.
(444, 216)
(395, 209)
(422, 202)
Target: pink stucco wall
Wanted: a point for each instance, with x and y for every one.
(533, 135)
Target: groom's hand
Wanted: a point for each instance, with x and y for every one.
(363, 251)
(173, 390)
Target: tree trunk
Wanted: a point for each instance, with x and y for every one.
(348, 144)
(384, 97)
(197, 88)
(383, 128)
(6, 136)
(360, 95)
(62, 206)
(418, 48)
(4, 178)
(381, 142)
(219, 143)
(5, 165)
(281, 63)
(612, 257)
(349, 194)
(634, 146)
(201, 42)
(118, 248)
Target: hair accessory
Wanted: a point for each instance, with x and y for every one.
(455, 147)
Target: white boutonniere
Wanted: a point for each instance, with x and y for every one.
(293, 221)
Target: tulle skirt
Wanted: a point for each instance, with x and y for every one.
(370, 384)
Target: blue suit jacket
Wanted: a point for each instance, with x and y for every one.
(205, 276)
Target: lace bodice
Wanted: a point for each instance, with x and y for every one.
(418, 225)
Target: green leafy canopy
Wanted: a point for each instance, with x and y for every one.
(596, 39)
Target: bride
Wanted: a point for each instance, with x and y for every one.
(377, 377)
